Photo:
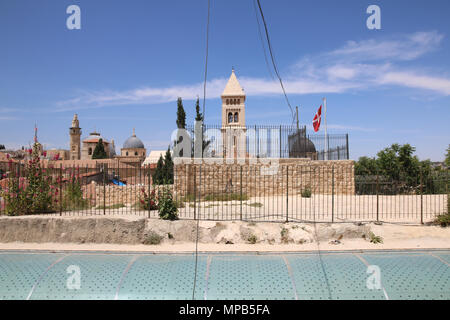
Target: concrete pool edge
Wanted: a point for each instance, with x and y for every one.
(306, 252)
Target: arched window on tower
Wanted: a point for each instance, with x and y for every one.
(228, 101)
(90, 151)
(236, 117)
(230, 117)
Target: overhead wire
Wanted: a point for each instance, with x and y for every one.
(203, 116)
(293, 119)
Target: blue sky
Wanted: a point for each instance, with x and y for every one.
(132, 59)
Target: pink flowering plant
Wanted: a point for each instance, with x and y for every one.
(148, 201)
(34, 193)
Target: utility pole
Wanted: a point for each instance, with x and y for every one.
(296, 112)
(326, 138)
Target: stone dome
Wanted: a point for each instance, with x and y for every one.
(133, 142)
(300, 146)
(94, 137)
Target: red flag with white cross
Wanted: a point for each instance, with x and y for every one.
(317, 118)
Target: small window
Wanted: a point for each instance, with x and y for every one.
(90, 151)
(230, 117)
(238, 101)
(228, 101)
(127, 153)
(236, 117)
(135, 153)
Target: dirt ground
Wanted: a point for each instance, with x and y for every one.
(320, 208)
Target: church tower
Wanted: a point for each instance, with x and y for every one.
(75, 139)
(233, 119)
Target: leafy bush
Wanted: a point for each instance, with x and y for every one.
(73, 193)
(167, 207)
(252, 239)
(442, 220)
(152, 238)
(284, 235)
(375, 239)
(306, 193)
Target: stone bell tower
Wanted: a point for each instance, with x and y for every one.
(233, 119)
(75, 139)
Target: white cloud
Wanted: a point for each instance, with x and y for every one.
(407, 47)
(355, 66)
(409, 79)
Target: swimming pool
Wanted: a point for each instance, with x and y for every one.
(338, 275)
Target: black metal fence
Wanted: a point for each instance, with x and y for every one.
(233, 192)
(272, 141)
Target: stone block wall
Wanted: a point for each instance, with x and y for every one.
(291, 176)
(129, 195)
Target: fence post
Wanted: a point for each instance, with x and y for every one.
(421, 197)
(60, 189)
(149, 191)
(332, 193)
(104, 189)
(241, 194)
(280, 144)
(195, 190)
(376, 187)
(346, 145)
(287, 193)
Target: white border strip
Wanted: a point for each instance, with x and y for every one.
(44, 274)
(208, 263)
(132, 261)
(288, 266)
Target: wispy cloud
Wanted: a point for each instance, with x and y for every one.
(357, 65)
(407, 47)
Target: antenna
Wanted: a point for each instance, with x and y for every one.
(296, 113)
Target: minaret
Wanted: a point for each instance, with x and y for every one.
(75, 139)
(233, 118)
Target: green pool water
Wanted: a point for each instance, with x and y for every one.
(342, 275)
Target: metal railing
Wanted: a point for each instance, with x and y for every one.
(277, 141)
(325, 193)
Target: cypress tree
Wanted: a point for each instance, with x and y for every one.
(99, 151)
(159, 171)
(168, 167)
(198, 115)
(181, 115)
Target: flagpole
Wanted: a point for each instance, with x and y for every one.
(325, 120)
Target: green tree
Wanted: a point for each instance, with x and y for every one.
(198, 115)
(181, 115)
(447, 157)
(366, 166)
(158, 175)
(2, 147)
(99, 151)
(168, 168)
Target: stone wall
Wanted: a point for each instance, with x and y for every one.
(290, 176)
(129, 195)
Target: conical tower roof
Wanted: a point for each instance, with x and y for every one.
(233, 88)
